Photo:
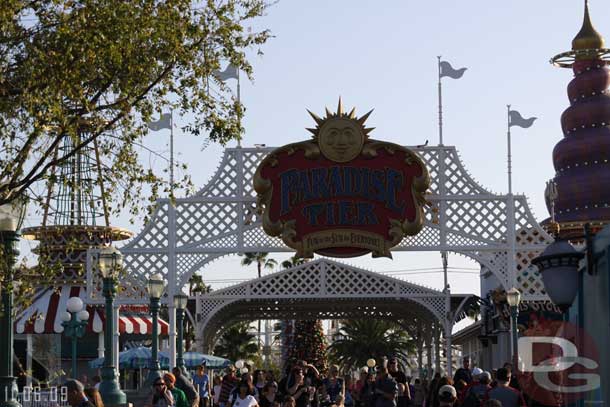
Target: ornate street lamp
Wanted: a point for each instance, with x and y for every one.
(11, 218)
(74, 323)
(155, 290)
(110, 263)
(558, 265)
(513, 297)
(180, 302)
(371, 363)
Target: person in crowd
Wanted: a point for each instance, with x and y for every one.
(433, 390)
(283, 384)
(349, 391)
(357, 389)
(76, 394)
(217, 384)
(95, 382)
(201, 382)
(184, 384)
(443, 381)
(228, 383)
(289, 401)
(94, 396)
(333, 384)
(463, 373)
(419, 394)
(259, 380)
(268, 395)
(339, 401)
(161, 396)
(475, 394)
(245, 378)
(460, 387)
(514, 380)
(367, 393)
(386, 389)
(492, 403)
(410, 386)
(508, 396)
(395, 371)
(243, 398)
(299, 390)
(401, 399)
(270, 377)
(312, 375)
(447, 396)
(180, 399)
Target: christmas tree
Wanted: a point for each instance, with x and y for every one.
(308, 343)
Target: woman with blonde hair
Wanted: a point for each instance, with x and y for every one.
(94, 396)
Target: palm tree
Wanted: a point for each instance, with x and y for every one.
(197, 285)
(361, 339)
(237, 343)
(262, 262)
(293, 262)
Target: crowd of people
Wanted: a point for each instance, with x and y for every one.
(304, 386)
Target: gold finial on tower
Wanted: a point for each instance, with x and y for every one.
(588, 37)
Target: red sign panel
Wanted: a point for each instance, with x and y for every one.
(342, 194)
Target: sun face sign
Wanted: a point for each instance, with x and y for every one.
(341, 194)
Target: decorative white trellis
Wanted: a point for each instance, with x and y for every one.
(221, 219)
(322, 289)
(498, 231)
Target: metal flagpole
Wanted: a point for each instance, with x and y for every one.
(440, 105)
(239, 116)
(172, 264)
(510, 180)
(510, 210)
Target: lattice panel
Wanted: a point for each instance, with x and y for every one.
(250, 162)
(529, 232)
(459, 181)
(201, 221)
(428, 237)
(480, 219)
(255, 239)
(302, 281)
(342, 281)
(224, 181)
(155, 233)
(144, 265)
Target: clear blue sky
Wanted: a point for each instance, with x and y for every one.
(382, 55)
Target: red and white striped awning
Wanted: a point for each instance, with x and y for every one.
(43, 316)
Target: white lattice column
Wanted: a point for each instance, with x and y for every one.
(29, 349)
(100, 345)
(115, 337)
(172, 281)
(437, 348)
(511, 238)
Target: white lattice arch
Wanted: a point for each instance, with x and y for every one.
(320, 289)
(498, 231)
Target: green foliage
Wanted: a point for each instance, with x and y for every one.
(236, 343)
(260, 259)
(293, 262)
(361, 339)
(98, 70)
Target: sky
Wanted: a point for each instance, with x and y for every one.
(383, 55)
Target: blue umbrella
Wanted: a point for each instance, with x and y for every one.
(134, 358)
(194, 359)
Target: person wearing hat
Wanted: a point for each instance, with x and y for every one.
(76, 394)
(201, 381)
(447, 395)
(180, 399)
(463, 373)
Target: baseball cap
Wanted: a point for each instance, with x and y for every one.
(485, 375)
(476, 371)
(447, 393)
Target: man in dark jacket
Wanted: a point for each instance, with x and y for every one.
(386, 389)
(463, 373)
(187, 387)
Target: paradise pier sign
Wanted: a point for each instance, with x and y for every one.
(341, 194)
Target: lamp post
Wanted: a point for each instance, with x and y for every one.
(180, 302)
(155, 290)
(513, 297)
(11, 217)
(371, 363)
(74, 323)
(110, 263)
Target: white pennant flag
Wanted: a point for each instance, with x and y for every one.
(515, 119)
(165, 122)
(230, 72)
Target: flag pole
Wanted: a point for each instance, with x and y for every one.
(509, 158)
(440, 105)
(171, 153)
(239, 101)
